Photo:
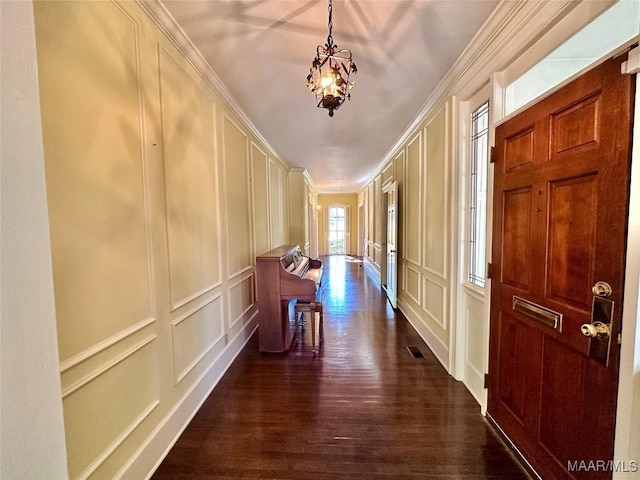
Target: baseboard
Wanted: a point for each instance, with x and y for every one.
(151, 453)
(371, 268)
(474, 381)
(437, 347)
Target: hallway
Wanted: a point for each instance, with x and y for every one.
(365, 408)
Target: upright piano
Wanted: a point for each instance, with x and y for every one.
(284, 276)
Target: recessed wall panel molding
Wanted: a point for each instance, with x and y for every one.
(241, 299)
(434, 301)
(276, 204)
(260, 197)
(413, 186)
(367, 214)
(387, 173)
(377, 255)
(412, 283)
(195, 333)
(398, 172)
(103, 349)
(371, 212)
(377, 206)
(94, 433)
(236, 167)
(436, 194)
(189, 158)
(475, 344)
(95, 171)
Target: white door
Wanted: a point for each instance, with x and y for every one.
(391, 192)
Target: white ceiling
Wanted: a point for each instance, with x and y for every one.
(262, 51)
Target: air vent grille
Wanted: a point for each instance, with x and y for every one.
(415, 352)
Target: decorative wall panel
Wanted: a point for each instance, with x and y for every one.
(435, 301)
(276, 182)
(412, 283)
(92, 116)
(94, 433)
(387, 173)
(435, 196)
(377, 207)
(260, 183)
(413, 201)
(239, 239)
(189, 156)
(195, 334)
(399, 175)
(476, 337)
(241, 298)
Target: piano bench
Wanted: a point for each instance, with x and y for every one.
(311, 308)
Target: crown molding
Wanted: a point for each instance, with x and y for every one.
(510, 29)
(161, 17)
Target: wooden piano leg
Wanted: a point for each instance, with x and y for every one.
(313, 330)
(311, 308)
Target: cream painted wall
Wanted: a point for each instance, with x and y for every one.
(157, 196)
(422, 169)
(349, 200)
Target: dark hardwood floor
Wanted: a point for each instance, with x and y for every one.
(364, 408)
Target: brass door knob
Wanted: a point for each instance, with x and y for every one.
(595, 329)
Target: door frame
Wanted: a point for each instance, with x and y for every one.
(387, 188)
(471, 375)
(627, 440)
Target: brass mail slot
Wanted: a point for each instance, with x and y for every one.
(537, 312)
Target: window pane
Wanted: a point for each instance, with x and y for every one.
(616, 26)
(337, 230)
(478, 194)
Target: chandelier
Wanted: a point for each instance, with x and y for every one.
(328, 77)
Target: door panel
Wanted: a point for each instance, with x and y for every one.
(517, 238)
(571, 226)
(560, 213)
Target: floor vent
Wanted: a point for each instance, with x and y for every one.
(415, 352)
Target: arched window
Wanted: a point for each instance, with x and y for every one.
(337, 231)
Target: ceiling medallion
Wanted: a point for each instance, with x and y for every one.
(328, 77)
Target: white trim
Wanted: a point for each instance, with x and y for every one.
(437, 346)
(99, 347)
(161, 17)
(179, 376)
(627, 434)
(460, 366)
(156, 446)
(511, 25)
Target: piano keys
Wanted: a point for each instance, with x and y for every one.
(284, 276)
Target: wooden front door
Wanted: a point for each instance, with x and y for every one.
(561, 197)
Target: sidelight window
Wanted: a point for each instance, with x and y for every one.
(479, 157)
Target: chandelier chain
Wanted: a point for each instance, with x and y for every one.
(330, 25)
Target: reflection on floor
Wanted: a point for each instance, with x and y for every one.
(364, 408)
